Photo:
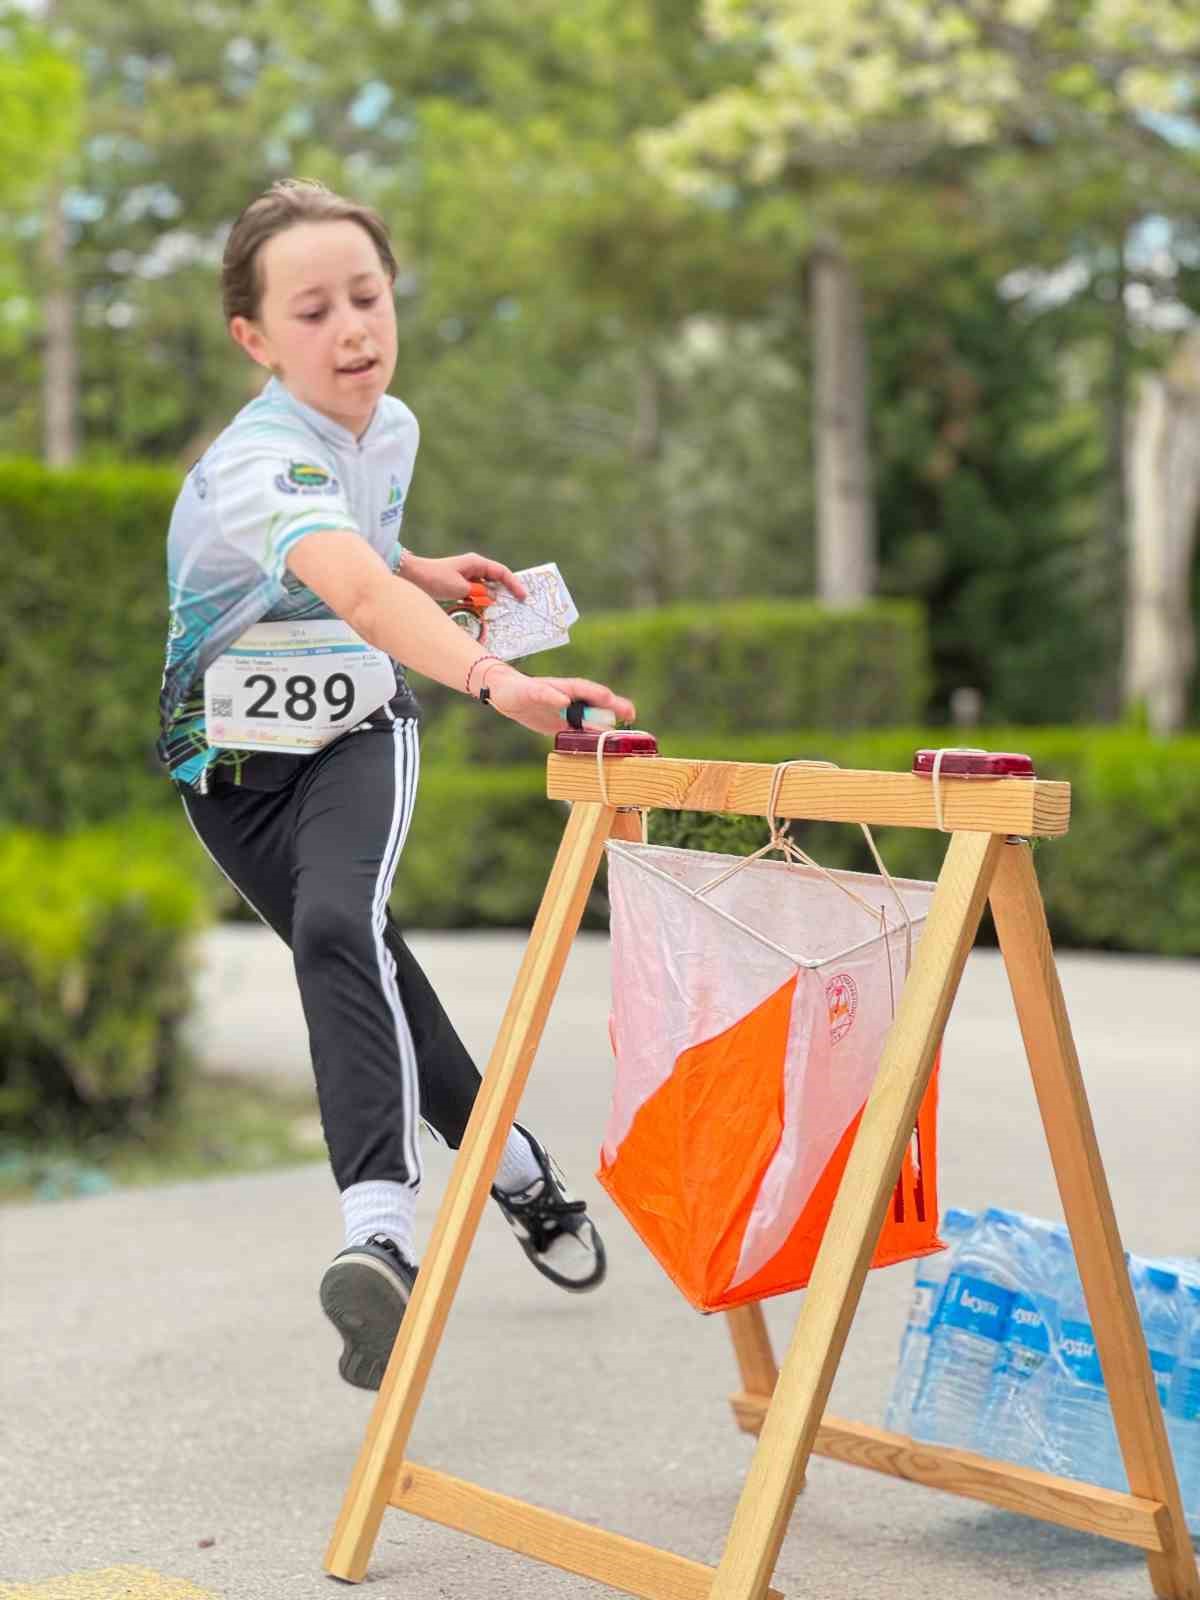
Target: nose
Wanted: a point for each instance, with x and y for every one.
(352, 325)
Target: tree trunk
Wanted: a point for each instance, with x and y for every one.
(1164, 484)
(652, 584)
(1112, 584)
(845, 510)
(60, 366)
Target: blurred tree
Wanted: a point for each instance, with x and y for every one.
(1079, 114)
(595, 357)
(1164, 526)
(40, 90)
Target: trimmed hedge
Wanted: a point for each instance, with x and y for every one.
(754, 665)
(1126, 876)
(94, 977)
(82, 628)
(83, 621)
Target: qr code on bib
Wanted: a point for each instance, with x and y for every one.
(222, 705)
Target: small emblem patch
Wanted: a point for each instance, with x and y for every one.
(304, 477)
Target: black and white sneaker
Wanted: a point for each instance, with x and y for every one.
(553, 1229)
(365, 1293)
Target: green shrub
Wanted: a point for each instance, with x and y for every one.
(94, 987)
(1126, 876)
(755, 665)
(82, 626)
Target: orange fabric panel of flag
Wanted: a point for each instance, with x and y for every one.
(687, 1173)
(689, 1167)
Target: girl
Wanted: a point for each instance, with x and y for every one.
(294, 746)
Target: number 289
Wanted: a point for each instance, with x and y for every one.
(300, 696)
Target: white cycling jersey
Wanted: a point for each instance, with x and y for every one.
(278, 472)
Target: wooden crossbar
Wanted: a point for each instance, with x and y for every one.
(611, 1558)
(1125, 1517)
(1029, 807)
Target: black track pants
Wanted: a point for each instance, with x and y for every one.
(315, 861)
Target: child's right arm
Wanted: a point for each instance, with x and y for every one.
(398, 617)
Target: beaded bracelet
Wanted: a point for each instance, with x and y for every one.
(478, 662)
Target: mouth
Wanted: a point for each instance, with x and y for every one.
(355, 369)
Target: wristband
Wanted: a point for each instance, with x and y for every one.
(579, 715)
(478, 662)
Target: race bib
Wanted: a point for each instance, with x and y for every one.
(293, 687)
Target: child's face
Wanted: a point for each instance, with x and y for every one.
(326, 324)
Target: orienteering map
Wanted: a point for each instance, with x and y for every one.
(518, 628)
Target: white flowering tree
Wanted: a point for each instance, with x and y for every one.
(1074, 114)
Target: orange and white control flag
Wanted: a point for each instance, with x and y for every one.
(747, 1025)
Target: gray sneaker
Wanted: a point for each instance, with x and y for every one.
(365, 1293)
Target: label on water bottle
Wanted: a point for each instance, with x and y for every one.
(1162, 1365)
(1028, 1338)
(1186, 1399)
(1027, 1325)
(1078, 1350)
(977, 1306)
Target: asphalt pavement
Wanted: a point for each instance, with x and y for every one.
(172, 1423)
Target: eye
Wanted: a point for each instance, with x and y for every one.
(310, 316)
(366, 300)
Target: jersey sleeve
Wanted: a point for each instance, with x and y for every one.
(271, 493)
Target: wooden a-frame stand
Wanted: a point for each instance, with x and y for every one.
(988, 858)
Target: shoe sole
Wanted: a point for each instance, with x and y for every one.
(366, 1303)
(571, 1285)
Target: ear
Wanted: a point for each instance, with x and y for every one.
(252, 340)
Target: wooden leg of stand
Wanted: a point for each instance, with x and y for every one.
(1025, 942)
(786, 1440)
(466, 1194)
(752, 1347)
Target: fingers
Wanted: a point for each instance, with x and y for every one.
(496, 572)
(598, 694)
(595, 694)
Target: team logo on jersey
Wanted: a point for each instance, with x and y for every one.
(303, 477)
(395, 504)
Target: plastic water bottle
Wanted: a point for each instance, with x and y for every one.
(1183, 1408)
(1158, 1303)
(1015, 1423)
(969, 1332)
(1082, 1441)
(931, 1277)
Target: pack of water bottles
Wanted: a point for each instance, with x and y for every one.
(999, 1357)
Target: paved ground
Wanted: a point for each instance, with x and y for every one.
(170, 1404)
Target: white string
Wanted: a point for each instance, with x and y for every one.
(948, 750)
(642, 811)
(600, 742)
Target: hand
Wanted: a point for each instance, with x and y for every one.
(536, 703)
(450, 577)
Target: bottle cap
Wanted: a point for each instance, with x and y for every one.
(1163, 1278)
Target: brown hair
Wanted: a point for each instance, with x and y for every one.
(285, 203)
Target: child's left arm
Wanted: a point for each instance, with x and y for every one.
(450, 577)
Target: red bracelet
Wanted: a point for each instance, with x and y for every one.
(478, 662)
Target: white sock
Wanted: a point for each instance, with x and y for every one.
(518, 1166)
(380, 1206)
